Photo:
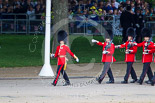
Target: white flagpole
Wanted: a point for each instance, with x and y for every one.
(47, 69)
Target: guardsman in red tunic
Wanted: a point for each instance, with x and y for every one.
(151, 51)
(129, 55)
(60, 54)
(107, 58)
(147, 57)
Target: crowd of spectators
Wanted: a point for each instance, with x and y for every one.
(29, 7)
(100, 8)
(93, 9)
(97, 8)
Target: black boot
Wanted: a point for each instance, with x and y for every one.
(153, 80)
(133, 81)
(140, 81)
(110, 82)
(67, 83)
(152, 83)
(98, 80)
(124, 82)
(148, 82)
(53, 84)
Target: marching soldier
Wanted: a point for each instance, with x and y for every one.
(151, 51)
(60, 54)
(129, 55)
(147, 56)
(107, 58)
(152, 82)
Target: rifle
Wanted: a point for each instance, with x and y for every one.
(130, 44)
(148, 43)
(108, 46)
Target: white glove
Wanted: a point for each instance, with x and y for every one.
(130, 50)
(105, 52)
(117, 46)
(145, 44)
(77, 60)
(52, 55)
(126, 52)
(145, 53)
(94, 41)
(135, 43)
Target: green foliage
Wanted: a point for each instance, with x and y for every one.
(27, 50)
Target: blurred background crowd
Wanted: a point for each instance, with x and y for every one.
(100, 8)
(97, 8)
(29, 7)
(124, 13)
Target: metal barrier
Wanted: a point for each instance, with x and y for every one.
(151, 24)
(20, 26)
(80, 25)
(21, 23)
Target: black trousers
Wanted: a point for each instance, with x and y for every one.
(63, 72)
(124, 39)
(130, 70)
(146, 70)
(153, 79)
(107, 70)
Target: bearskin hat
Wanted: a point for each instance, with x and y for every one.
(130, 32)
(109, 34)
(62, 36)
(146, 32)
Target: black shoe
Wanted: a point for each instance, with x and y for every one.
(67, 83)
(53, 84)
(98, 80)
(140, 82)
(152, 83)
(148, 82)
(124, 82)
(110, 82)
(133, 81)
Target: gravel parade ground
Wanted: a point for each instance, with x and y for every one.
(22, 85)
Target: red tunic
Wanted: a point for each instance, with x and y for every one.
(152, 47)
(131, 56)
(152, 51)
(108, 57)
(146, 57)
(60, 54)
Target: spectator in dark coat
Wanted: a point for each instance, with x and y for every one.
(108, 7)
(0, 13)
(126, 20)
(17, 10)
(37, 12)
(139, 24)
(10, 11)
